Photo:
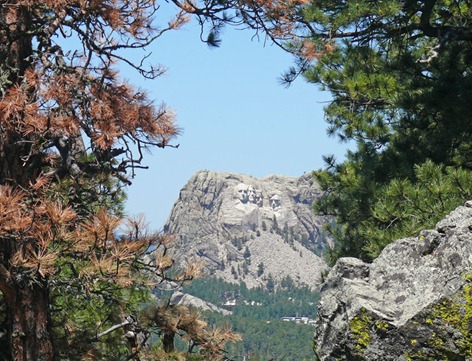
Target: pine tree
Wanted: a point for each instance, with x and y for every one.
(247, 253)
(260, 269)
(399, 73)
(270, 284)
(72, 135)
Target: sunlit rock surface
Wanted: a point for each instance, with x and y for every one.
(180, 298)
(237, 222)
(414, 302)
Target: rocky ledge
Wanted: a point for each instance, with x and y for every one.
(414, 302)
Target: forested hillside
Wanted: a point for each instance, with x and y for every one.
(257, 315)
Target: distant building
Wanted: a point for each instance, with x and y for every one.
(230, 303)
(300, 320)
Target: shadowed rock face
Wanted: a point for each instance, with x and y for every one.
(414, 302)
(236, 222)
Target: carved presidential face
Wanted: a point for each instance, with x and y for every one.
(259, 198)
(241, 192)
(251, 194)
(274, 201)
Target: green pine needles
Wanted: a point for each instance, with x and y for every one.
(399, 73)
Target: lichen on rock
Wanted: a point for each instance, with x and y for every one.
(413, 303)
(360, 330)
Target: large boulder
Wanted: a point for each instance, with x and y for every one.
(185, 299)
(414, 302)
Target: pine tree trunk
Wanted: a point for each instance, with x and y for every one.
(168, 341)
(25, 293)
(28, 323)
(27, 315)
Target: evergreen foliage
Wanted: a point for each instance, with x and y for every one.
(247, 253)
(399, 73)
(268, 340)
(260, 269)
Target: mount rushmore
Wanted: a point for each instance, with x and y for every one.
(249, 229)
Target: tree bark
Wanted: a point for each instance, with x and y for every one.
(168, 341)
(29, 333)
(16, 50)
(25, 292)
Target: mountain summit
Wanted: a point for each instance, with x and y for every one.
(260, 231)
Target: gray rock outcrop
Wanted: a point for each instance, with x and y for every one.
(180, 298)
(249, 229)
(414, 302)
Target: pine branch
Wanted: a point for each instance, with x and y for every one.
(129, 320)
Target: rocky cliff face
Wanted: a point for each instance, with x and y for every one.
(180, 298)
(414, 302)
(250, 229)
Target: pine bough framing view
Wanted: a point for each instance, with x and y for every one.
(75, 277)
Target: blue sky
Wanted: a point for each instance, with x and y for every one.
(235, 116)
